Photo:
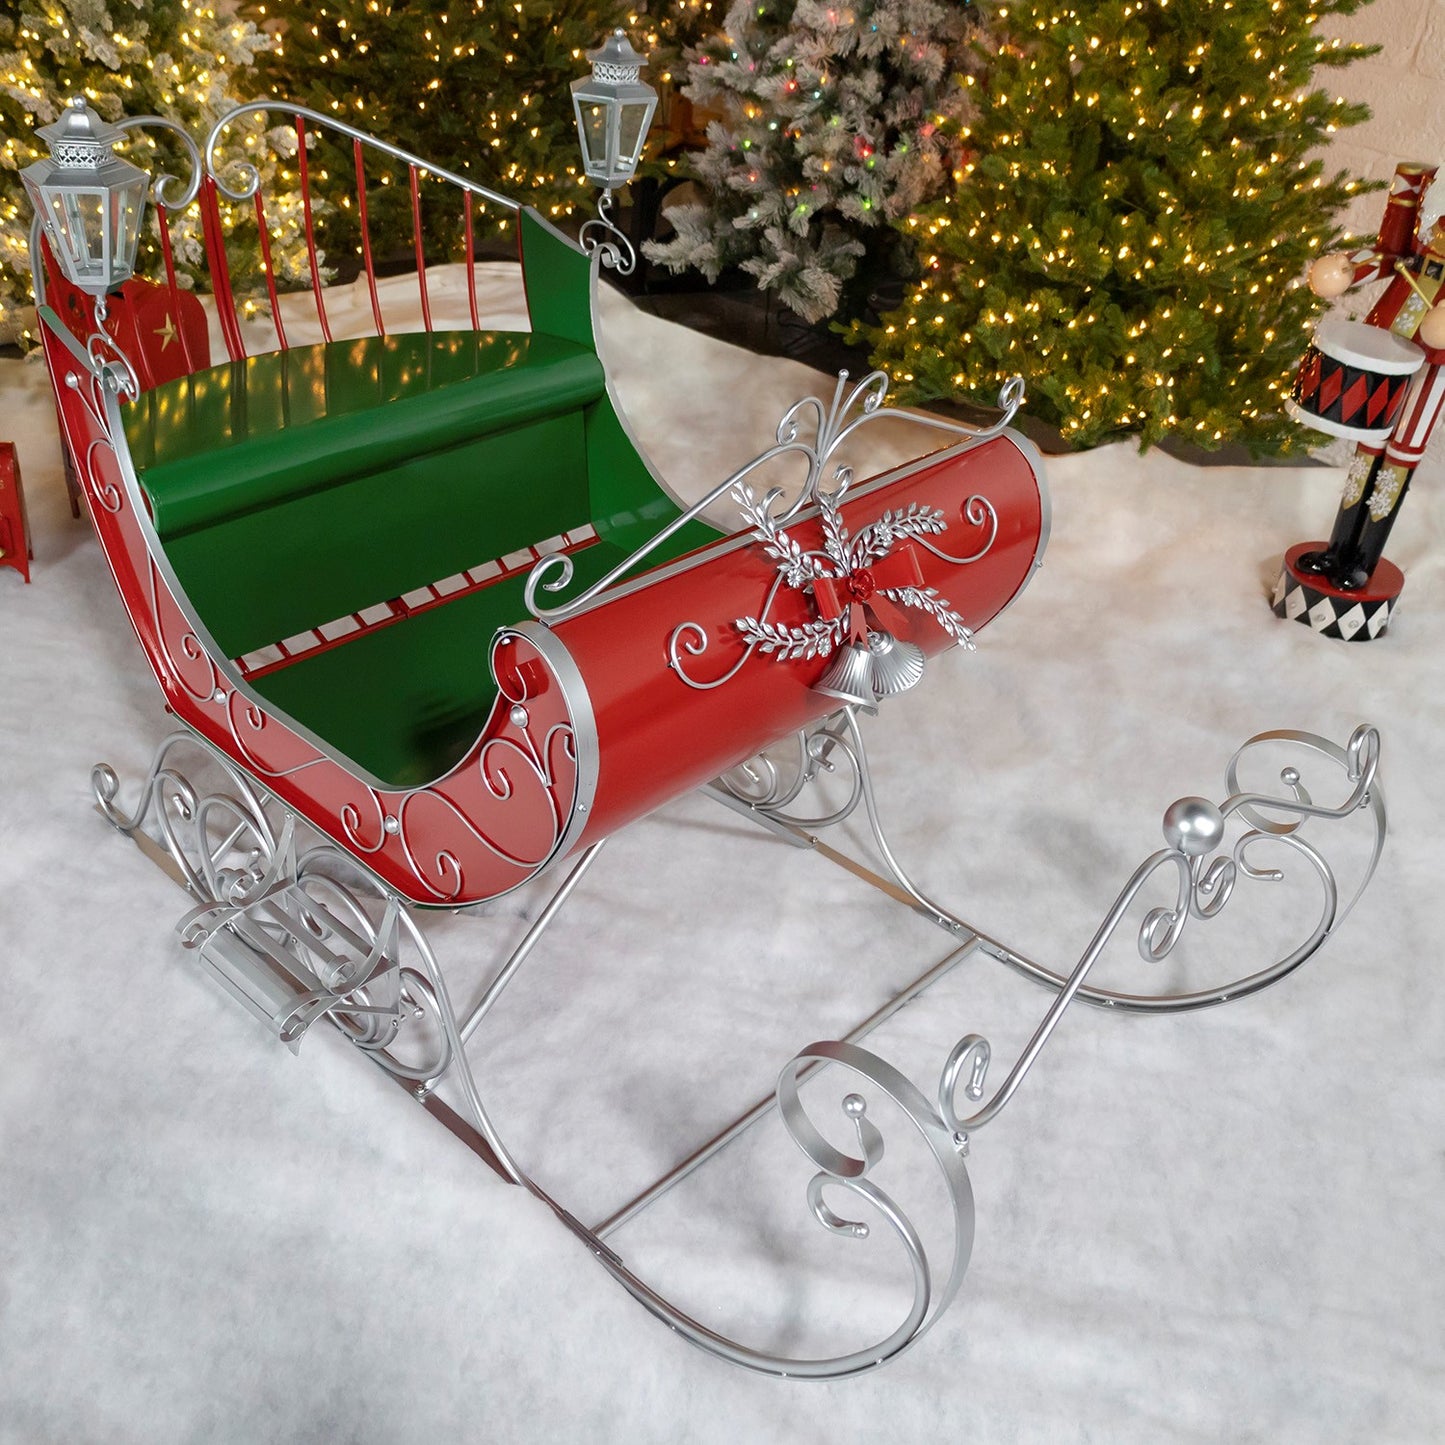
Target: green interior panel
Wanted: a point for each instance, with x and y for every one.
(265, 575)
(558, 278)
(292, 489)
(248, 434)
(406, 702)
(628, 506)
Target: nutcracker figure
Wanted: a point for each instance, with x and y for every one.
(1380, 382)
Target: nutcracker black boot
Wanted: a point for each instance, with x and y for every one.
(1332, 563)
(1358, 563)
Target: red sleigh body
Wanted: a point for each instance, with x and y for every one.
(602, 712)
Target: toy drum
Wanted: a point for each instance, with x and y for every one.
(1353, 379)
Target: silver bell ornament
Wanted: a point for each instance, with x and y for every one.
(897, 665)
(849, 676)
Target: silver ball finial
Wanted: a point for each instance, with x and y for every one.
(855, 1106)
(1194, 826)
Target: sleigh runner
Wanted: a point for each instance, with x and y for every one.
(435, 627)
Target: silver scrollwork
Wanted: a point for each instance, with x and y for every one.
(933, 1288)
(349, 950)
(831, 425)
(602, 235)
(1206, 879)
(171, 191)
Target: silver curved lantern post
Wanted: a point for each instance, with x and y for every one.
(614, 108)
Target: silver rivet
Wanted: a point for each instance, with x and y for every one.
(390, 824)
(519, 715)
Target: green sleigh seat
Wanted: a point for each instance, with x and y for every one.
(299, 488)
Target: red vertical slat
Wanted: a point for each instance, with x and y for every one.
(420, 254)
(215, 241)
(265, 237)
(522, 261)
(163, 220)
(366, 238)
(310, 228)
(471, 262)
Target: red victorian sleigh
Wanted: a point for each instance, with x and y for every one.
(433, 626)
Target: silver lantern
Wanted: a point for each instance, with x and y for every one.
(614, 108)
(89, 201)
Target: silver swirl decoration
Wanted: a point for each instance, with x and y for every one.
(978, 511)
(217, 839)
(371, 970)
(602, 235)
(1206, 880)
(811, 430)
(108, 371)
(933, 1285)
(235, 177)
(172, 192)
(821, 749)
(1195, 829)
(691, 639)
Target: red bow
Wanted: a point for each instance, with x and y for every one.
(860, 592)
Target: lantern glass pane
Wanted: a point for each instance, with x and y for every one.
(79, 226)
(128, 203)
(632, 131)
(593, 115)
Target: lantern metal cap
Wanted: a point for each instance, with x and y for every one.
(615, 60)
(80, 137)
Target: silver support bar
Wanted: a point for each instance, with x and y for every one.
(529, 941)
(765, 1106)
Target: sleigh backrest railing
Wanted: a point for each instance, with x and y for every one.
(252, 232)
(235, 182)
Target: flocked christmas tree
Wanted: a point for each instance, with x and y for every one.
(478, 87)
(1146, 192)
(175, 58)
(842, 116)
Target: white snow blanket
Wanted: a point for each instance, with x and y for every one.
(1227, 1225)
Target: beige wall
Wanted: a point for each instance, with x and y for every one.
(1404, 85)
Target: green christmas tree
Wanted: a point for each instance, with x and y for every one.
(477, 88)
(842, 116)
(174, 58)
(1146, 194)
(667, 29)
